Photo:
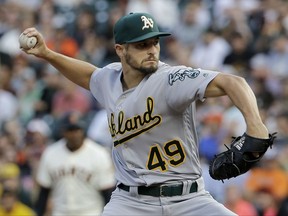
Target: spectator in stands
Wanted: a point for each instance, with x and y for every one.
(235, 201)
(268, 179)
(70, 97)
(10, 188)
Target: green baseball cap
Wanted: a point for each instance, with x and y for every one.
(136, 27)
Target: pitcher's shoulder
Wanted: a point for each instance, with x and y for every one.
(108, 70)
(116, 66)
(166, 68)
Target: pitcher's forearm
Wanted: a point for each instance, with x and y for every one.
(242, 96)
(75, 70)
(244, 99)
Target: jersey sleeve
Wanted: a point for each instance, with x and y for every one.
(42, 177)
(104, 82)
(95, 86)
(185, 85)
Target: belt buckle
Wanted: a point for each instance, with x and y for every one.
(167, 190)
(162, 190)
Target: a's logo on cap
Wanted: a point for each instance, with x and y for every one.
(148, 22)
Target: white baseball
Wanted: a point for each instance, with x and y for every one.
(27, 42)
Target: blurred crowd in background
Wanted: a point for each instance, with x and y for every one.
(242, 37)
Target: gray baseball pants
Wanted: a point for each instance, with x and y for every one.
(200, 203)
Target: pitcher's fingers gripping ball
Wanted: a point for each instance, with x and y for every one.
(244, 153)
(27, 42)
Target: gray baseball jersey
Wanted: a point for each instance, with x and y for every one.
(153, 125)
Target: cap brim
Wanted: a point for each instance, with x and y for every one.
(72, 127)
(149, 35)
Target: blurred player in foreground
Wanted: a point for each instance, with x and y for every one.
(78, 171)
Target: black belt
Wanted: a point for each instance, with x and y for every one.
(162, 190)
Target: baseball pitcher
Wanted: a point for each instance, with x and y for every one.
(151, 116)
